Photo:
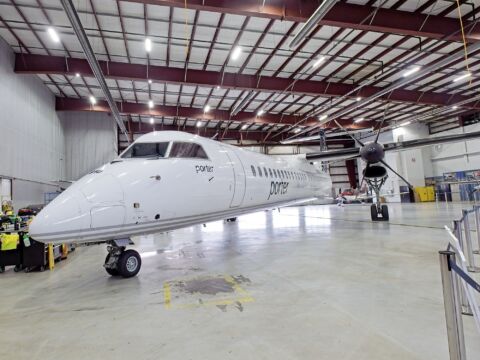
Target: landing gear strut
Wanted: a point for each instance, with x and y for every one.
(378, 211)
(122, 262)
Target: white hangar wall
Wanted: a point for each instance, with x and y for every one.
(38, 145)
(32, 145)
(90, 141)
(429, 161)
(458, 156)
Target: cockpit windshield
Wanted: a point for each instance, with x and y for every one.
(146, 150)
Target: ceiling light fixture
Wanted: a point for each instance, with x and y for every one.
(464, 76)
(93, 101)
(297, 130)
(236, 53)
(151, 120)
(244, 126)
(149, 81)
(260, 112)
(454, 107)
(206, 108)
(323, 117)
(199, 124)
(359, 120)
(320, 60)
(359, 98)
(411, 71)
(406, 123)
(77, 75)
(218, 87)
(148, 45)
(53, 34)
(150, 104)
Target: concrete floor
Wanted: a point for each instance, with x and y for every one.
(315, 282)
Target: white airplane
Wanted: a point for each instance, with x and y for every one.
(168, 180)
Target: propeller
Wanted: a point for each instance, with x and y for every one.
(348, 133)
(381, 124)
(363, 177)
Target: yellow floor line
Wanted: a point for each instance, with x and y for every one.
(167, 294)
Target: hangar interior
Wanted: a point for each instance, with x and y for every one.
(335, 277)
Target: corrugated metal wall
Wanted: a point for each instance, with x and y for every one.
(31, 136)
(32, 145)
(90, 141)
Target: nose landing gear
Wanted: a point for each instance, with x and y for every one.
(122, 262)
(378, 211)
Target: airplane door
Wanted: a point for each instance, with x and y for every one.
(239, 183)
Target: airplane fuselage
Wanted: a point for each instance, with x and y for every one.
(135, 195)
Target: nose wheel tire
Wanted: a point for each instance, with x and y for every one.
(232, 219)
(385, 216)
(129, 263)
(374, 212)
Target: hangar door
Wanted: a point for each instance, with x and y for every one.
(239, 183)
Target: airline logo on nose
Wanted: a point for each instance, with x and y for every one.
(203, 168)
(278, 188)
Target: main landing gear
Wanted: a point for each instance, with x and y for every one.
(122, 262)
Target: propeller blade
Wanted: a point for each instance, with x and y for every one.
(379, 130)
(363, 177)
(381, 124)
(348, 133)
(396, 173)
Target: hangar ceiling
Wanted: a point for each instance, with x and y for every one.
(226, 68)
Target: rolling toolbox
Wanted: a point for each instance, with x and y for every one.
(34, 255)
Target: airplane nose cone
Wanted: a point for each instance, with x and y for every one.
(57, 218)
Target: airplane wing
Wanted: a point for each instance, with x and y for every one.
(341, 154)
(402, 145)
(431, 141)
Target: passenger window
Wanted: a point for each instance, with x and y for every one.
(253, 170)
(270, 171)
(275, 172)
(187, 150)
(265, 171)
(259, 171)
(146, 150)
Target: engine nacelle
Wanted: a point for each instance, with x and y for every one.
(375, 171)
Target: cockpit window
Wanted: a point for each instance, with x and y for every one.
(146, 150)
(187, 150)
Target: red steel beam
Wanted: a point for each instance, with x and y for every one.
(344, 15)
(71, 104)
(230, 135)
(352, 176)
(42, 64)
